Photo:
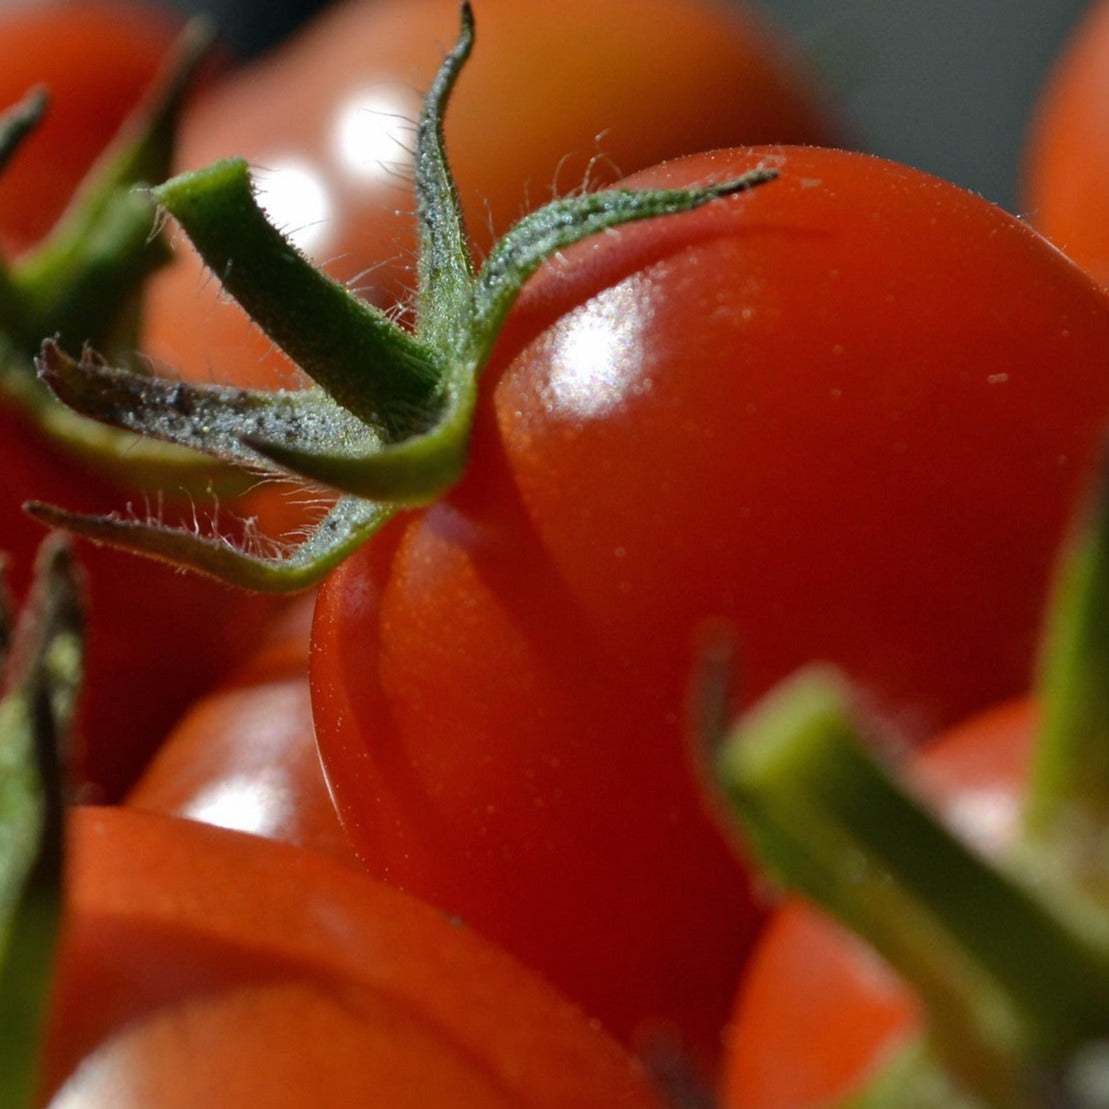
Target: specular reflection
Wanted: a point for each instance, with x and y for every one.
(598, 357)
(297, 201)
(375, 132)
(257, 803)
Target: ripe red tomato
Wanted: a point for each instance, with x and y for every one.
(96, 59)
(203, 967)
(1068, 160)
(815, 995)
(779, 410)
(328, 120)
(245, 756)
(699, 54)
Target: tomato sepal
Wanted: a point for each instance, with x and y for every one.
(218, 420)
(42, 676)
(20, 120)
(398, 430)
(256, 563)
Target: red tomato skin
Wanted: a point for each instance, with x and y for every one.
(548, 88)
(1067, 167)
(815, 996)
(778, 411)
(245, 755)
(200, 966)
(54, 44)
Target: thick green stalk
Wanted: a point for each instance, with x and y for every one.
(1010, 984)
(1067, 805)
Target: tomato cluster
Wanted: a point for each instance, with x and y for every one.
(536, 456)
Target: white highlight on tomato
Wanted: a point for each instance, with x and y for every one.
(256, 803)
(375, 132)
(597, 357)
(297, 200)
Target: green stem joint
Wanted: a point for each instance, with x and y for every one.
(388, 418)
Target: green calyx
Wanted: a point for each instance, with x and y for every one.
(83, 283)
(41, 677)
(387, 422)
(1010, 960)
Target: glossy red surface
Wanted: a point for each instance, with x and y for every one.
(205, 967)
(782, 411)
(244, 757)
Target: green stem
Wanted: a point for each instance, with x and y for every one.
(446, 277)
(141, 154)
(1010, 985)
(368, 364)
(83, 284)
(1068, 796)
(35, 716)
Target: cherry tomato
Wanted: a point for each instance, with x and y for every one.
(1068, 160)
(204, 967)
(245, 756)
(780, 410)
(555, 94)
(815, 995)
(96, 60)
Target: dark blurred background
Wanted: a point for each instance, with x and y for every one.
(945, 85)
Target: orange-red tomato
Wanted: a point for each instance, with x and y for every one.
(96, 58)
(200, 966)
(245, 756)
(818, 1011)
(779, 410)
(1068, 160)
(555, 93)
